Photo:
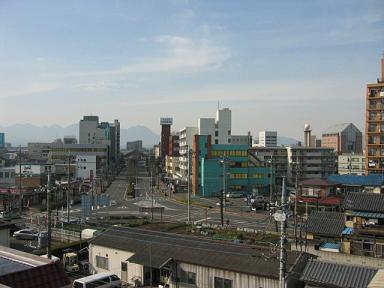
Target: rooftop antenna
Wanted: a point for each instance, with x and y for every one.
(218, 105)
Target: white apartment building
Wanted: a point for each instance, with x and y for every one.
(85, 166)
(219, 128)
(267, 139)
(351, 164)
(185, 143)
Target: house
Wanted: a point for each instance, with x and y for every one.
(365, 219)
(324, 230)
(145, 257)
(23, 270)
(344, 184)
(326, 274)
(318, 194)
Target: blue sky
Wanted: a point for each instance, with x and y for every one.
(276, 64)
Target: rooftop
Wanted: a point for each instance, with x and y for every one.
(368, 202)
(334, 275)
(338, 128)
(357, 180)
(254, 260)
(24, 270)
(326, 223)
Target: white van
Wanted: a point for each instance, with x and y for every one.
(102, 280)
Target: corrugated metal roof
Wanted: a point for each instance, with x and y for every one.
(357, 180)
(331, 274)
(367, 202)
(368, 214)
(326, 223)
(158, 247)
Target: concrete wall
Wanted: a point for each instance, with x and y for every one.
(4, 237)
(205, 278)
(115, 257)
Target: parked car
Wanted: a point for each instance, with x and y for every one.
(234, 195)
(26, 234)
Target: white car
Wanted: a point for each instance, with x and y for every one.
(26, 234)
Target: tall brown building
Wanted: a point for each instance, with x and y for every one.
(173, 146)
(165, 134)
(374, 125)
(344, 138)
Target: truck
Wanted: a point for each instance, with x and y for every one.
(70, 260)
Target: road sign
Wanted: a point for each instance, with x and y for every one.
(280, 216)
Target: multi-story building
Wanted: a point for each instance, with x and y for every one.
(219, 128)
(276, 158)
(185, 145)
(218, 167)
(267, 139)
(38, 152)
(135, 145)
(351, 164)
(374, 127)
(166, 123)
(2, 140)
(310, 162)
(7, 177)
(174, 145)
(70, 140)
(344, 138)
(242, 139)
(104, 133)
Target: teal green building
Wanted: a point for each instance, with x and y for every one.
(216, 166)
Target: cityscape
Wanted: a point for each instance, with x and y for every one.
(180, 158)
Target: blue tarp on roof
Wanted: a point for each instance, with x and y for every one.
(347, 231)
(358, 180)
(328, 245)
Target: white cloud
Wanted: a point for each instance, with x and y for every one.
(183, 55)
(28, 89)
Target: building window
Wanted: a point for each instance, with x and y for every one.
(216, 133)
(124, 266)
(192, 278)
(102, 262)
(222, 283)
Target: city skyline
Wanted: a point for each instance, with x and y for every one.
(139, 61)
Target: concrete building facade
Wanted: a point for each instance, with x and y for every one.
(267, 139)
(185, 145)
(38, 151)
(351, 164)
(310, 162)
(374, 127)
(344, 138)
(219, 128)
(134, 145)
(104, 133)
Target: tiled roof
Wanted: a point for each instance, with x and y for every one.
(326, 223)
(327, 274)
(368, 202)
(254, 260)
(357, 180)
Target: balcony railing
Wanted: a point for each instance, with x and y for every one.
(374, 230)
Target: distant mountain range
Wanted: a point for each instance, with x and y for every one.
(21, 134)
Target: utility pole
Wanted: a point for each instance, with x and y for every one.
(271, 179)
(20, 192)
(222, 194)
(151, 194)
(282, 236)
(68, 187)
(49, 251)
(189, 187)
(296, 194)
